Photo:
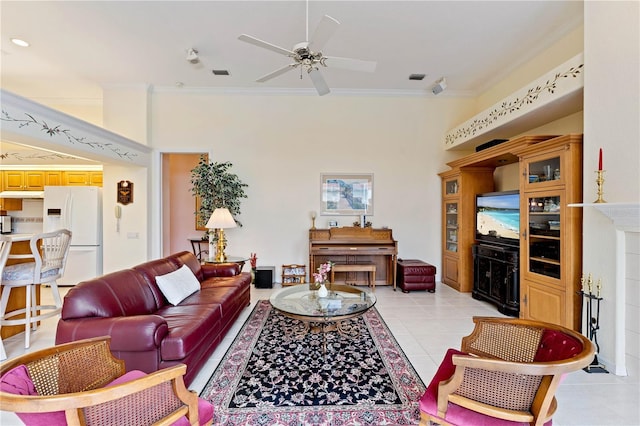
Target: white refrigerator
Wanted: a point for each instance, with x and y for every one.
(78, 209)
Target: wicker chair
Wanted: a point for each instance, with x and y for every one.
(506, 373)
(75, 382)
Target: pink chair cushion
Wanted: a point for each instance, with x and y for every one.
(17, 381)
(457, 415)
(555, 346)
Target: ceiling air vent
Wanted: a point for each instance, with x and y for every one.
(417, 76)
(220, 72)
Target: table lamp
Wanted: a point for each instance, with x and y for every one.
(220, 219)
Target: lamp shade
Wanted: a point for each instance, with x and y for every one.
(221, 218)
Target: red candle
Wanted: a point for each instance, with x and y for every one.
(600, 160)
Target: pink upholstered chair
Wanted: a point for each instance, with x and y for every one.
(505, 374)
(81, 383)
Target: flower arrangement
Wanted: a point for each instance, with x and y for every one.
(323, 270)
(253, 259)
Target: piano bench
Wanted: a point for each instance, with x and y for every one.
(414, 274)
(370, 268)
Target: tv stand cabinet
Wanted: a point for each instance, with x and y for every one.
(469, 176)
(550, 169)
(496, 277)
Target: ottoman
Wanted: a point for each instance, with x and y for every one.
(414, 274)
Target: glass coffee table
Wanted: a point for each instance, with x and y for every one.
(323, 314)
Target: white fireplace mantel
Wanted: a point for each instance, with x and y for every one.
(626, 219)
(625, 216)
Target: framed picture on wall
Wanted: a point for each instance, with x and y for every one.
(346, 194)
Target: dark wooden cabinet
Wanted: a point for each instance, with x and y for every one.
(497, 277)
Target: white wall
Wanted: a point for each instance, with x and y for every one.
(130, 245)
(279, 146)
(611, 111)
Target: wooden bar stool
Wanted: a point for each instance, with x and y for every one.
(49, 252)
(356, 267)
(5, 248)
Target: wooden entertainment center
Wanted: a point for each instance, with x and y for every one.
(550, 256)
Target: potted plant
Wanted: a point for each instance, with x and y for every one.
(215, 186)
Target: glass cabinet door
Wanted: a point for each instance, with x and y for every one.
(544, 235)
(545, 170)
(451, 236)
(451, 187)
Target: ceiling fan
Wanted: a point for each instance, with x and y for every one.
(307, 55)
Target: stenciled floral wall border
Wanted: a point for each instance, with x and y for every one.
(506, 108)
(57, 130)
(40, 156)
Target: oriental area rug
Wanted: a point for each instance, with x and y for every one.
(273, 376)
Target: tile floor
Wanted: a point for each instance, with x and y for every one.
(425, 325)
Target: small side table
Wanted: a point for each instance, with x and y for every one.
(230, 259)
(200, 247)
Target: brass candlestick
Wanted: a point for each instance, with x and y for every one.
(600, 182)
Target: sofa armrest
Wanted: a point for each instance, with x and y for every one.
(212, 270)
(131, 334)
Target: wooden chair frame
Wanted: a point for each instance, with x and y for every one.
(503, 348)
(49, 253)
(85, 400)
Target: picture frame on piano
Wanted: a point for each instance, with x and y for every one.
(346, 194)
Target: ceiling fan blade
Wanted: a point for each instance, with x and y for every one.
(318, 82)
(350, 64)
(276, 73)
(325, 30)
(260, 43)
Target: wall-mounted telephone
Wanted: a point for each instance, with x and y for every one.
(118, 213)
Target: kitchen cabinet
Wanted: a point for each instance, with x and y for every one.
(53, 178)
(10, 204)
(23, 180)
(82, 178)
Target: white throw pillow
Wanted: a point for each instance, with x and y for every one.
(177, 285)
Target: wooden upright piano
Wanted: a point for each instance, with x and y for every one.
(353, 245)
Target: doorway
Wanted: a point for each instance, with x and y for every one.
(178, 202)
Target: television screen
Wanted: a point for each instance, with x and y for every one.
(498, 217)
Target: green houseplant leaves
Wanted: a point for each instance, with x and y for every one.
(216, 187)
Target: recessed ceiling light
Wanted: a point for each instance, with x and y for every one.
(19, 42)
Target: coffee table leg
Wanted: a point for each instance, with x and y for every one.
(299, 330)
(346, 328)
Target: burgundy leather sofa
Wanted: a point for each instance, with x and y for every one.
(147, 332)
